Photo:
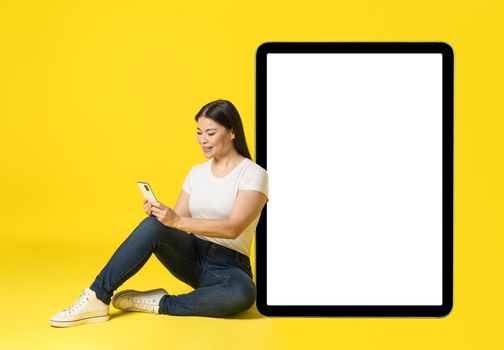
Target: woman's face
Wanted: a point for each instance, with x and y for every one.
(214, 139)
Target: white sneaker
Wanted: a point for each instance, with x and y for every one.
(133, 300)
(87, 309)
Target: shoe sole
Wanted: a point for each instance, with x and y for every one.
(117, 295)
(95, 319)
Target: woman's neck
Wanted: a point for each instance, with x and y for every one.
(228, 161)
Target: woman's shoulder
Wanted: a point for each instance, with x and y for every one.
(253, 167)
(199, 167)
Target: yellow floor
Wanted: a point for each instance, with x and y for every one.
(39, 280)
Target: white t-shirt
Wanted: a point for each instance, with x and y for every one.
(213, 198)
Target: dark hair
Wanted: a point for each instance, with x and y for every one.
(225, 113)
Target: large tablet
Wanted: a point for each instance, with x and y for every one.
(357, 139)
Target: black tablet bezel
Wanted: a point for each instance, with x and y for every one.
(447, 179)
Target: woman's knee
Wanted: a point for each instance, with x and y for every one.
(150, 229)
(244, 295)
(250, 294)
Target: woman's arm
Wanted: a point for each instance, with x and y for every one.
(247, 206)
(218, 228)
(182, 206)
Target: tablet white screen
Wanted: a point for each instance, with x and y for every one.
(354, 157)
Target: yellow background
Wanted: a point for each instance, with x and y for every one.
(95, 95)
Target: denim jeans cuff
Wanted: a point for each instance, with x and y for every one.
(162, 305)
(101, 294)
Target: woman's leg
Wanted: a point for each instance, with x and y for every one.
(225, 287)
(147, 238)
(228, 291)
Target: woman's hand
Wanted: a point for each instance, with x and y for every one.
(163, 213)
(147, 207)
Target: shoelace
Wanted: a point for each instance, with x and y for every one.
(78, 304)
(141, 304)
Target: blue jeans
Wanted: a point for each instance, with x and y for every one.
(221, 277)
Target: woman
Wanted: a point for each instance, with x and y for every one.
(204, 241)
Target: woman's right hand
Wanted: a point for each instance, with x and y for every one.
(147, 207)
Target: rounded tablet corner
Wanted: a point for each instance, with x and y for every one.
(446, 47)
(263, 309)
(446, 310)
(263, 47)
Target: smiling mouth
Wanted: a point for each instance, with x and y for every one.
(207, 149)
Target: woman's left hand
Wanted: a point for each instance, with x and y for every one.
(164, 214)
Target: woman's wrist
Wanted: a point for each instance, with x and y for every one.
(177, 222)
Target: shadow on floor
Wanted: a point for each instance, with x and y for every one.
(249, 314)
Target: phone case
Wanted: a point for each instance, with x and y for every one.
(147, 191)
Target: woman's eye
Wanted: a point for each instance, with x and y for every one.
(211, 134)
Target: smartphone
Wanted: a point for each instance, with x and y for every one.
(147, 192)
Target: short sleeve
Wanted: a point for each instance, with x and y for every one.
(187, 185)
(256, 178)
